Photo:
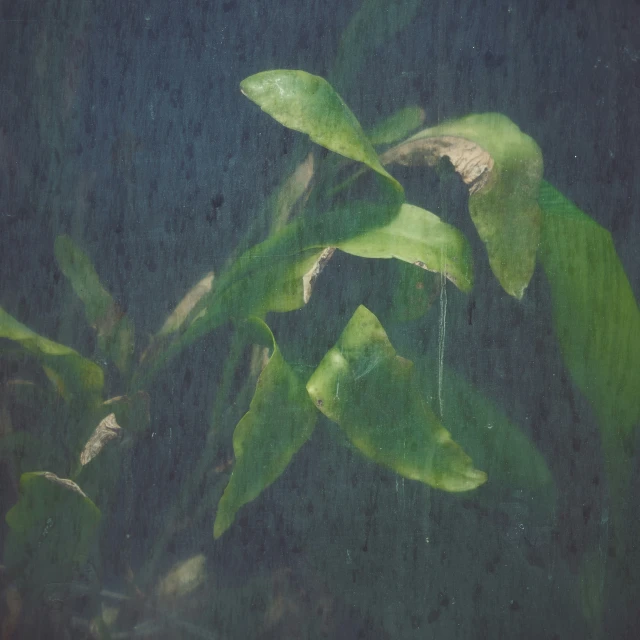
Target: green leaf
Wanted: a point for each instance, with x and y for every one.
(308, 103)
(75, 377)
(597, 322)
(280, 420)
(51, 529)
(372, 393)
(502, 168)
(115, 330)
(418, 237)
(397, 126)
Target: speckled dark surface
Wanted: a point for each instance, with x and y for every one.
(122, 124)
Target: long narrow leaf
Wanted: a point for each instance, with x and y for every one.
(597, 322)
(114, 328)
(75, 377)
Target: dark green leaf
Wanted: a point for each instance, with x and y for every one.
(375, 23)
(75, 377)
(397, 127)
(497, 445)
(51, 529)
(114, 328)
(597, 322)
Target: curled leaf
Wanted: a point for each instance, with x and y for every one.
(108, 429)
(502, 168)
(473, 163)
(372, 393)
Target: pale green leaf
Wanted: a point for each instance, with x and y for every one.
(372, 393)
(308, 103)
(418, 237)
(280, 420)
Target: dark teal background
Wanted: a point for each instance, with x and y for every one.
(122, 125)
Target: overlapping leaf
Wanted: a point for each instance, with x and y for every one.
(372, 393)
(274, 275)
(280, 420)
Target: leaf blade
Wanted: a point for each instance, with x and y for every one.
(115, 329)
(418, 237)
(280, 420)
(372, 393)
(76, 376)
(309, 104)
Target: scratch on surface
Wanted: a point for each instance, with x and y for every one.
(441, 336)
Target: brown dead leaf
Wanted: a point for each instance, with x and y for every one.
(108, 429)
(63, 482)
(470, 160)
(309, 278)
(291, 191)
(180, 313)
